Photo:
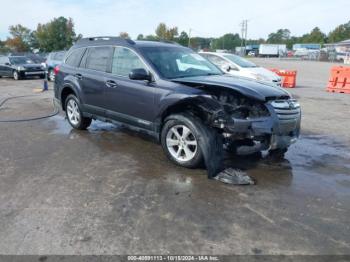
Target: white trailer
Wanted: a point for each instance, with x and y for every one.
(272, 50)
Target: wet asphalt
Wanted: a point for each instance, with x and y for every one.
(112, 191)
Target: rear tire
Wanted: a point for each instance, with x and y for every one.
(74, 114)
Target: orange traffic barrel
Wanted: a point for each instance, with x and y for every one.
(339, 80)
(289, 77)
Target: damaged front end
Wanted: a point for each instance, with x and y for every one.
(269, 125)
(250, 118)
(251, 122)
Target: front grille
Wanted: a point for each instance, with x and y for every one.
(31, 69)
(288, 112)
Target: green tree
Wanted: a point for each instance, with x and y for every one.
(140, 37)
(293, 40)
(183, 39)
(151, 38)
(227, 41)
(315, 36)
(165, 33)
(20, 38)
(3, 48)
(340, 33)
(280, 37)
(161, 31)
(57, 34)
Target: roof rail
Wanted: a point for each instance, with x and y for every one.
(168, 42)
(88, 40)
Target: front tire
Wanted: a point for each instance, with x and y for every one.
(74, 114)
(180, 140)
(16, 75)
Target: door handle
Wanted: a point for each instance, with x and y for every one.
(78, 76)
(111, 84)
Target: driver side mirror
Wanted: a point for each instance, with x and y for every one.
(140, 74)
(228, 68)
(7, 63)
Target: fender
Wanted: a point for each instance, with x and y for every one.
(203, 102)
(72, 83)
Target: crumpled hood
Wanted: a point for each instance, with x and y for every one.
(251, 88)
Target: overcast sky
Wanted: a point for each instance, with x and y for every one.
(205, 17)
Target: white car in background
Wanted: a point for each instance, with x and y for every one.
(238, 66)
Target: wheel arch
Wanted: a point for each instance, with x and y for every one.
(66, 91)
(203, 108)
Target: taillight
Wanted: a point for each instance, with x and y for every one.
(56, 70)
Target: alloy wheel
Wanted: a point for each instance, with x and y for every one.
(73, 112)
(15, 75)
(181, 143)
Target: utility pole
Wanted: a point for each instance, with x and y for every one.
(189, 37)
(244, 33)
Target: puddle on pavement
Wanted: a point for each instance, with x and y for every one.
(312, 157)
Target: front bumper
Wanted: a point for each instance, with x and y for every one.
(32, 73)
(278, 131)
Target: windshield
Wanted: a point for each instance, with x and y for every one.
(176, 62)
(20, 60)
(240, 61)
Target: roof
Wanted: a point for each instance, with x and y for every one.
(216, 53)
(345, 42)
(108, 40)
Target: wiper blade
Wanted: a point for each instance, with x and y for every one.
(213, 74)
(207, 74)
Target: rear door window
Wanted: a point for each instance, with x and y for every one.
(99, 58)
(75, 57)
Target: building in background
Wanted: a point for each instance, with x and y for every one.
(306, 46)
(340, 50)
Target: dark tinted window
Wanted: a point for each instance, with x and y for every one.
(98, 58)
(125, 60)
(75, 57)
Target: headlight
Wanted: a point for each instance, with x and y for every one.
(21, 68)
